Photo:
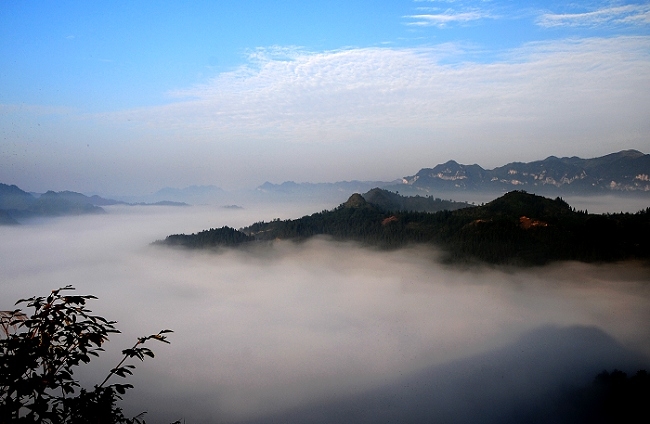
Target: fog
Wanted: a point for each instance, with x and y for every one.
(326, 331)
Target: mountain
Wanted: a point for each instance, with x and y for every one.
(624, 172)
(6, 219)
(59, 204)
(393, 202)
(16, 204)
(627, 171)
(11, 197)
(78, 198)
(546, 376)
(518, 228)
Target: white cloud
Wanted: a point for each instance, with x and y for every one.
(443, 19)
(374, 113)
(633, 14)
(338, 95)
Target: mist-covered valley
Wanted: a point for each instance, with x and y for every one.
(325, 331)
(126, 123)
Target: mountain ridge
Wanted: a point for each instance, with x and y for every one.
(17, 204)
(626, 171)
(517, 228)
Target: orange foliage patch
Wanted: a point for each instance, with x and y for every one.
(389, 220)
(527, 223)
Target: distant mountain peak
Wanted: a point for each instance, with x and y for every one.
(630, 152)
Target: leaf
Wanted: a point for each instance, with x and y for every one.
(121, 388)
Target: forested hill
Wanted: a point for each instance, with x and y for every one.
(517, 228)
(393, 202)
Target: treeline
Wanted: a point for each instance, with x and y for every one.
(393, 202)
(517, 228)
(214, 237)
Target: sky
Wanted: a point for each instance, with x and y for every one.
(127, 97)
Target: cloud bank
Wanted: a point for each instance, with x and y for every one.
(263, 332)
(412, 88)
(585, 91)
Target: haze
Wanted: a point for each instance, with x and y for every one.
(305, 331)
(126, 98)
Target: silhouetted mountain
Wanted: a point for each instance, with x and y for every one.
(6, 219)
(537, 379)
(82, 199)
(16, 204)
(58, 204)
(627, 171)
(517, 228)
(11, 197)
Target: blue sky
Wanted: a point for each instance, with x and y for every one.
(130, 96)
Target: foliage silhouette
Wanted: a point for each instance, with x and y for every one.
(38, 356)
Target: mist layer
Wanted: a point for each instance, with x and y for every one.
(275, 332)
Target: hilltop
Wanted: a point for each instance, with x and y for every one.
(393, 202)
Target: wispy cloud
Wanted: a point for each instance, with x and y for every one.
(300, 117)
(443, 19)
(633, 14)
(453, 12)
(351, 91)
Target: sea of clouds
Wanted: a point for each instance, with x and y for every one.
(326, 331)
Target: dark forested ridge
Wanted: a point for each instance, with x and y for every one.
(393, 202)
(224, 236)
(517, 228)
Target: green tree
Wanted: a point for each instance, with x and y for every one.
(38, 356)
